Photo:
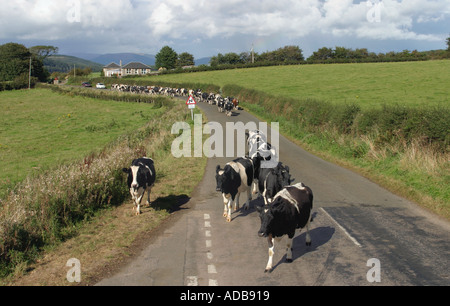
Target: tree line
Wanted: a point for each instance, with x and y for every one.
(282, 55)
(294, 55)
(15, 63)
(167, 58)
(15, 60)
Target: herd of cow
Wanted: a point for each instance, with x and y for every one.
(286, 207)
(150, 90)
(224, 104)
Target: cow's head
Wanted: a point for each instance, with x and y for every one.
(266, 216)
(224, 178)
(136, 177)
(284, 178)
(220, 178)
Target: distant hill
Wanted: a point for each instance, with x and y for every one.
(126, 58)
(64, 63)
(202, 61)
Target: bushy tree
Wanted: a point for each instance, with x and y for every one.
(166, 58)
(185, 59)
(284, 54)
(289, 54)
(281, 55)
(42, 52)
(15, 62)
(322, 54)
(230, 58)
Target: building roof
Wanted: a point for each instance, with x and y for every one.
(112, 65)
(135, 65)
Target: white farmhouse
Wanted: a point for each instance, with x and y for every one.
(133, 68)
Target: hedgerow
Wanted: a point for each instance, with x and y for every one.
(395, 122)
(45, 209)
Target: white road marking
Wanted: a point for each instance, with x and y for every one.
(343, 229)
(209, 255)
(212, 269)
(192, 281)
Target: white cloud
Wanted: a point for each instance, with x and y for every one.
(153, 22)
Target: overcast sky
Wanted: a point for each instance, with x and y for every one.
(207, 27)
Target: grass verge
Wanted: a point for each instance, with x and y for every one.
(57, 212)
(415, 171)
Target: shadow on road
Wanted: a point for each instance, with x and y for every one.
(319, 236)
(171, 202)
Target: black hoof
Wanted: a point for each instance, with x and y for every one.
(308, 244)
(288, 260)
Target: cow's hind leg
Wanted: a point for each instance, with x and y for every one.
(289, 243)
(255, 188)
(236, 201)
(249, 198)
(308, 237)
(148, 196)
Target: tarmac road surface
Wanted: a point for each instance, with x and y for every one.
(362, 235)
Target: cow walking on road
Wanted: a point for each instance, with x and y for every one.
(290, 210)
(141, 177)
(273, 180)
(234, 178)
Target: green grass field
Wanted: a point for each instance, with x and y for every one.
(368, 85)
(77, 148)
(40, 129)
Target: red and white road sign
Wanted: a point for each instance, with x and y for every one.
(191, 101)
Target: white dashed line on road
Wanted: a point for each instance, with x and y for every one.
(192, 281)
(211, 268)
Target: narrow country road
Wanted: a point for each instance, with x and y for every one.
(355, 221)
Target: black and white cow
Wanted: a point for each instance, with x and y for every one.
(228, 107)
(220, 105)
(204, 97)
(260, 151)
(234, 178)
(254, 138)
(141, 177)
(290, 210)
(272, 180)
(257, 144)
